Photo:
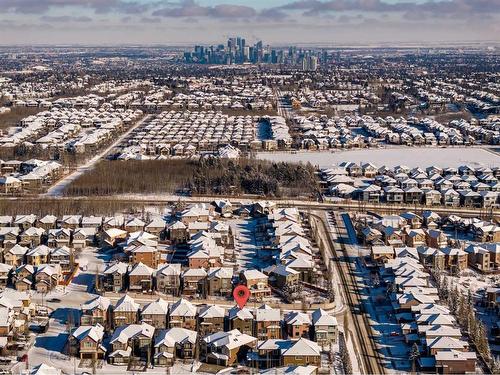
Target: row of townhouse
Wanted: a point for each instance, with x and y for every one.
(484, 257)
(424, 321)
(450, 259)
(289, 249)
(74, 230)
(160, 332)
(465, 186)
(426, 131)
(406, 229)
(153, 225)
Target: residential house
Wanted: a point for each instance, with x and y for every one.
(194, 281)
(140, 278)
(436, 238)
(297, 324)
(267, 323)
(302, 352)
(257, 283)
(86, 342)
(38, 255)
(47, 222)
(155, 313)
(325, 328)
(115, 277)
(148, 255)
(241, 319)
(415, 237)
(15, 255)
(220, 281)
(84, 237)
(210, 319)
(381, 254)
(31, 237)
(455, 259)
(5, 273)
(226, 348)
(59, 237)
(71, 221)
(182, 314)
(96, 311)
(131, 340)
(126, 311)
(174, 343)
(47, 277)
(168, 278)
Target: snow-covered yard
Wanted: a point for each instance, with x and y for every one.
(393, 156)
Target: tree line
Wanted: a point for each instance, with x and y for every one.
(211, 176)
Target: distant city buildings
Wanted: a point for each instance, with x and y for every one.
(236, 51)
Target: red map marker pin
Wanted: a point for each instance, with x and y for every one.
(241, 294)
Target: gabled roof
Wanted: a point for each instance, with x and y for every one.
(96, 333)
(158, 307)
(211, 311)
(119, 267)
(266, 313)
(303, 347)
(175, 335)
(99, 302)
(231, 340)
(321, 318)
(126, 304)
(182, 308)
(126, 332)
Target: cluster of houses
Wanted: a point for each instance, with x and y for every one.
(113, 86)
(423, 320)
(33, 93)
(198, 259)
(159, 333)
(293, 259)
(463, 186)
(344, 93)
(256, 97)
(31, 175)
(322, 132)
(425, 237)
(70, 129)
(184, 134)
(426, 131)
(39, 253)
(17, 311)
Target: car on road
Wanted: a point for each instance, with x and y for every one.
(54, 300)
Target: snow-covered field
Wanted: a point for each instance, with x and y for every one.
(409, 156)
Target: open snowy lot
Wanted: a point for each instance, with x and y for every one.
(411, 157)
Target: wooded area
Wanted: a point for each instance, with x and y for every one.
(205, 176)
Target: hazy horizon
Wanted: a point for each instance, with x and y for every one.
(186, 22)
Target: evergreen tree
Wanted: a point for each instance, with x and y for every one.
(414, 355)
(462, 311)
(482, 342)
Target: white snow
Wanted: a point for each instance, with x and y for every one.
(412, 157)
